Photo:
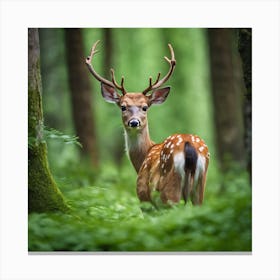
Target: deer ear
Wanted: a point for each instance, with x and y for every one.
(109, 94)
(159, 95)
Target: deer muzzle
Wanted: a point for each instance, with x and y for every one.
(134, 123)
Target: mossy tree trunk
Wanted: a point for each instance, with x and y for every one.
(43, 193)
(227, 97)
(81, 94)
(245, 50)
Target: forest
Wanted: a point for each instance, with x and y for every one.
(81, 183)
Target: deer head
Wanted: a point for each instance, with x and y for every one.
(134, 106)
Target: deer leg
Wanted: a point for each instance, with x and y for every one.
(201, 187)
(171, 192)
(198, 192)
(188, 186)
(195, 192)
(142, 189)
(201, 184)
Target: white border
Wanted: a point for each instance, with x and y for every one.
(17, 16)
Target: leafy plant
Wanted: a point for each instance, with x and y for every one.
(44, 133)
(51, 133)
(107, 216)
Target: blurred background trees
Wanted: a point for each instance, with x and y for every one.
(227, 96)
(81, 94)
(207, 90)
(245, 50)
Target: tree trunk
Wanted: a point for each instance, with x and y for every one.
(227, 98)
(81, 94)
(245, 50)
(117, 146)
(43, 194)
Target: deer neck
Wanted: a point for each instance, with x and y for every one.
(137, 143)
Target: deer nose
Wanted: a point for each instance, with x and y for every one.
(134, 123)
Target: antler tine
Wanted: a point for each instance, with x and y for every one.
(158, 83)
(120, 87)
(97, 76)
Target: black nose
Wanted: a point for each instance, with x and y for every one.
(134, 123)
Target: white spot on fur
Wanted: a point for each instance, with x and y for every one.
(171, 151)
(172, 146)
(197, 140)
(201, 148)
(179, 141)
(162, 166)
(192, 138)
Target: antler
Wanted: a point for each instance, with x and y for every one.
(158, 83)
(113, 84)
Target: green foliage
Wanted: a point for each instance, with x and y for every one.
(51, 133)
(107, 216)
(47, 133)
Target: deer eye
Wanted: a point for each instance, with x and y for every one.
(145, 108)
(123, 108)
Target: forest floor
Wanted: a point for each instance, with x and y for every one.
(106, 215)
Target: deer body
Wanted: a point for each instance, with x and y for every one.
(176, 167)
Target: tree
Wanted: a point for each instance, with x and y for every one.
(245, 50)
(43, 193)
(116, 147)
(226, 97)
(81, 94)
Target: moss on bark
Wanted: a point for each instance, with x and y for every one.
(43, 193)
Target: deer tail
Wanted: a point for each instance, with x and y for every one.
(190, 167)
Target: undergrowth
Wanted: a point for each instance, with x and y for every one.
(107, 216)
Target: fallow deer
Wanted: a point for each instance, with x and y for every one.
(175, 168)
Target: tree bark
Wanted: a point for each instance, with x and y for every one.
(245, 50)
(117, 146)
(226, 97)
(43, 193)
(81, 94)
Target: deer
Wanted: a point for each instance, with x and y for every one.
(175, 168)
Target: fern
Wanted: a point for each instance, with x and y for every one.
(51, 133)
